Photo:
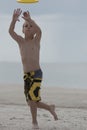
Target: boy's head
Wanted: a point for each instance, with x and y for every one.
(28, 29)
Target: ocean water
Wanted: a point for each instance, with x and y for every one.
(72, 75)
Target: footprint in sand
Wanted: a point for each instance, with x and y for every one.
(14, 118)
(45, 115)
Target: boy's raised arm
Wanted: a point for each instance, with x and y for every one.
(15, 17)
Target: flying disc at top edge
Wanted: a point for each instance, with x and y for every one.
(27, 1)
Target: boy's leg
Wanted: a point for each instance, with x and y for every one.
(50, 108)
(33, 109)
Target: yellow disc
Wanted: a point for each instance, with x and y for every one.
(27, 1)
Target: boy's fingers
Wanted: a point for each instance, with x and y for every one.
(25, 13)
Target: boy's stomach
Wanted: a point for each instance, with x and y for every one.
(30, 65)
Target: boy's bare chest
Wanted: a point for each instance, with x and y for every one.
(30, 48)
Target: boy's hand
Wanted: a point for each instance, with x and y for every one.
(26, 16)
(16, 14)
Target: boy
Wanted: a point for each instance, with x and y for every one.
(29, 47)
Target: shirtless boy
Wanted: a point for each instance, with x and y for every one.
(29, 47)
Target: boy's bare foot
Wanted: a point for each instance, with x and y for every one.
(35, 127)
(52, 110)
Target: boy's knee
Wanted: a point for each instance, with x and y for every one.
(32, 103)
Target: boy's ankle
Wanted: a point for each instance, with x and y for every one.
(35, 125)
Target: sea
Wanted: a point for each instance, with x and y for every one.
(71, 75)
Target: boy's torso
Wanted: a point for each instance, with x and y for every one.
(30, 55)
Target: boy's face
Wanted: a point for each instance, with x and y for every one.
(28, 29)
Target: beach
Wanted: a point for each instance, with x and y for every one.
(71, 108)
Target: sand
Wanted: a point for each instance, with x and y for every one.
(71, 108)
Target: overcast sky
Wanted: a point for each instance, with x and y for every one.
(63, 24)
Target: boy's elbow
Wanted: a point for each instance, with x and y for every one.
(9, 31)
(39, 32)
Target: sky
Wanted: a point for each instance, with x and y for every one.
(64, 30)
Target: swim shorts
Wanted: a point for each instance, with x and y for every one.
(32, 84)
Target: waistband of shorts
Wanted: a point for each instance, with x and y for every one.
(31, 72)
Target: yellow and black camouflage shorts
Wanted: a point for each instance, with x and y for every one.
(32, 84)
